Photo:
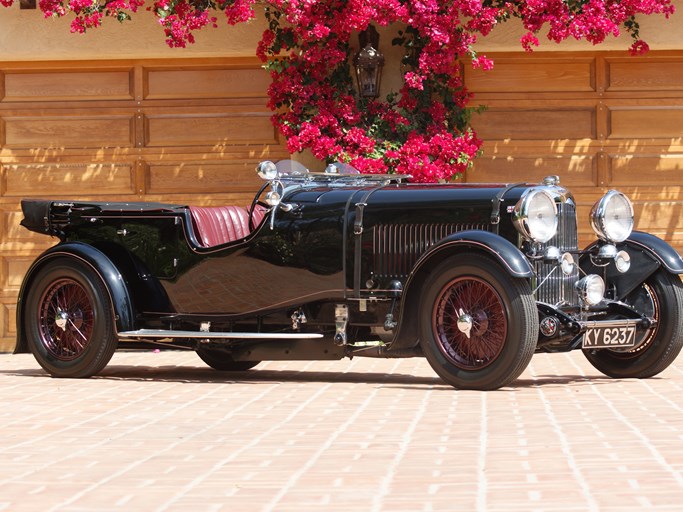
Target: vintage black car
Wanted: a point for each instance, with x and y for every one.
(474, 277)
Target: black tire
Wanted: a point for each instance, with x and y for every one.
(661, 297)
(504, 322)
(68, 320)
(222, 361)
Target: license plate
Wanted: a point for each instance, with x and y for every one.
(610, 337)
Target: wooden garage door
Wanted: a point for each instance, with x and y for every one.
(172, 130)
(598, 120)
(191, 131)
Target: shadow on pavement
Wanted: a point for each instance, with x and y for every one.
(193, 374)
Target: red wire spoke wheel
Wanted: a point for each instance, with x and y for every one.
(478, 323)
(68, 319)
(485, 340)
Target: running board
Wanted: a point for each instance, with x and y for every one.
(160, 334)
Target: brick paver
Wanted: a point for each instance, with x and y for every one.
(161, 431)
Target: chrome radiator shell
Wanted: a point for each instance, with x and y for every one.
(555, 287)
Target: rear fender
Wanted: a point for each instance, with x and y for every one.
(474, 242)
(101, 265)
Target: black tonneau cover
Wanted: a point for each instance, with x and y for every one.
(43, 215)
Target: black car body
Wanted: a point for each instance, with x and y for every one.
(475, 277)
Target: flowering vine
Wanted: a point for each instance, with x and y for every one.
(422, 129)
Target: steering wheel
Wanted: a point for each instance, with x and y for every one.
(255, 202)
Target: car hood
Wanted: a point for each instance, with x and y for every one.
(408, 195)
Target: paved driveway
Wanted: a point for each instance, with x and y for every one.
(160, 431)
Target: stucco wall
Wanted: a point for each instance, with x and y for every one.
(25, 35)
(658, 32)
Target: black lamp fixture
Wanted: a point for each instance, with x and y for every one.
(368, 63)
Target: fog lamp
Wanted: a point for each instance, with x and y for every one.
(567, 264)
(591, 289)
(622, 261)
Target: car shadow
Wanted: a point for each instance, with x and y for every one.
(194, 375)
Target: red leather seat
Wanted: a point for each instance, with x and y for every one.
(216, 225)
(259, 213)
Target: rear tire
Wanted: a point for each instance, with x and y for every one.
(502, 316)
(661, 297)
(68, 320)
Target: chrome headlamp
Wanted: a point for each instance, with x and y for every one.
(612, 217)
(591, 289)
(535, 216)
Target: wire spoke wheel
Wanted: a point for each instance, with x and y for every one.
(66, 319)
(484, 341)
(660, 297)
(479, 325)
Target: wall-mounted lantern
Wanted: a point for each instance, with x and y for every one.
(368, 63)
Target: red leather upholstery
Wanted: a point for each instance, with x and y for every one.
(216, 225)
(219, 224)
(259, 213)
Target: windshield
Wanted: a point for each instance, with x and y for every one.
(290, 168)
(336, 173)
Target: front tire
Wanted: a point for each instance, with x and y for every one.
(475, 296)
(660, 297)
(68, 320)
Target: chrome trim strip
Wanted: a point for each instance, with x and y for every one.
(628, 322)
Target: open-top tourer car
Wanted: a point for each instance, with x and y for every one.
(474, 277)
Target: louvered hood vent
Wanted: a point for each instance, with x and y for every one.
(397, 247)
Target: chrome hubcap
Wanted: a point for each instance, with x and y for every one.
(61, 319)
(465, 322)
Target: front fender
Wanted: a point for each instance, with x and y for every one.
(658, 248)
(474, 242)
(507, 254)
(101, 264)
(648, 253)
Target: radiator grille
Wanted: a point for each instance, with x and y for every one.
(557, 288)
(397, 247)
